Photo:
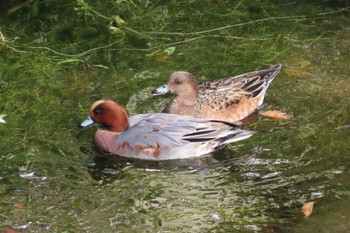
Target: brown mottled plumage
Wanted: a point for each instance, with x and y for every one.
(229, 99)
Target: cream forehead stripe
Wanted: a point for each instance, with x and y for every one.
(94, 105)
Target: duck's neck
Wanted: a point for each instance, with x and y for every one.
(188, 99)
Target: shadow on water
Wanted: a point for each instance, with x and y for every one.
(254, 192)
(108, 168)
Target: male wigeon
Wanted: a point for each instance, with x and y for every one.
(158, 136)
(230, 99)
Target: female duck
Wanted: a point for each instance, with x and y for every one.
(230, 99)
(158, 136)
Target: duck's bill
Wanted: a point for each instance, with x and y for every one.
(87, 122)
(161, 90)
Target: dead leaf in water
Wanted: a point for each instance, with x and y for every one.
(9, 230)
(19, 206)
(162, 58)
(307, 208)
(276, 115)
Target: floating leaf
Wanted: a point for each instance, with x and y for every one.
(162, 58)
(19, 206)
(275, 115)
(9, 230)
(307, 208)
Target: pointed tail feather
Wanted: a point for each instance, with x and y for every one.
(234, 136)
(276, 68)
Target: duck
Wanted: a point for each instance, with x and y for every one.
(230, 99)
(158, 136)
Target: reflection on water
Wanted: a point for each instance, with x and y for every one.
(240, 193)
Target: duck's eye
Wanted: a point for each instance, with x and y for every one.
(98, 110)
(177, 82)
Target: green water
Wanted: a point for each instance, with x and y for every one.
(58, 57)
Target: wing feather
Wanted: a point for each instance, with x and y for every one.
(169, 129)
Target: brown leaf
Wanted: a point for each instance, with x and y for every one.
(9, 230)
(276, 115)
(19, 206)
(162, 58)
(307, 208)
